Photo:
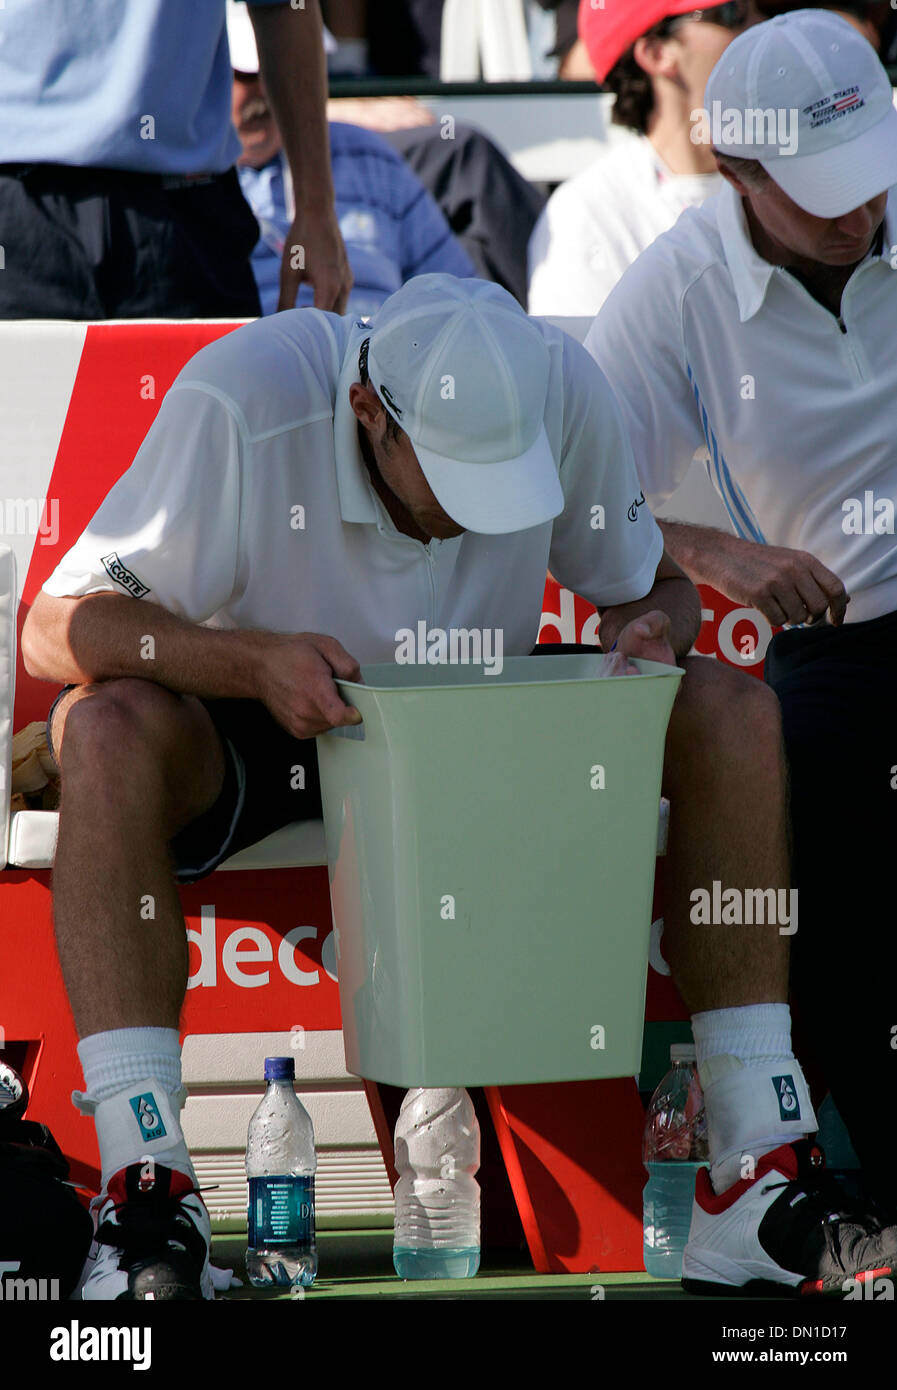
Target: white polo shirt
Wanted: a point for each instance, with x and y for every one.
(704, 341)
(595, 225)
(249, 505)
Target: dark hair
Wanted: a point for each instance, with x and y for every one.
(631, 85)
(749, 171)
(393, 429)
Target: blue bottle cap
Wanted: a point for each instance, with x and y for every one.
(279, 1069)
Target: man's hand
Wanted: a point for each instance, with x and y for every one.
(295, 682)
(666, 621)
(294, 75)
(648, 638)
(314, 251)
(786, 586)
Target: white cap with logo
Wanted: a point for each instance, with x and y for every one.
(818, 68)
(461, 368)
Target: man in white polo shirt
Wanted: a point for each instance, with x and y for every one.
(655, 56)
(313, 486)
(765, 325)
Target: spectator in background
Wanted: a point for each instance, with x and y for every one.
(490, 207)
(404, 37)
(345, 28)
(118, 192)
(391, 225)
(656, 58)
(573, 62)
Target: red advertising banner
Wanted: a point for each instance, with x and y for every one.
(730, 633)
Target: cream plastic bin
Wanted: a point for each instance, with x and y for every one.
(491, 842)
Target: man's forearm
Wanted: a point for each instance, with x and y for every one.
(110, 636)
(698, 550)
(293, 69)
(678, 598)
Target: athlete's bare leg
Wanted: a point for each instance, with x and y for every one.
(137, 762)
(725, 776)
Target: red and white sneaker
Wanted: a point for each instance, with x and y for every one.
(790, 1230)
(152, 1238)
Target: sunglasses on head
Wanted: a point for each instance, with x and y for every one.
(733, 14)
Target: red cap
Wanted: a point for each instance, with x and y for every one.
(609, 27)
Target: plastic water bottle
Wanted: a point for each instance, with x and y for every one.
(673, 1149)
(437, 1221)
(280, 1166)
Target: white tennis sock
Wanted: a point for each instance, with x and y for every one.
(133, 1089)
(755, 1094)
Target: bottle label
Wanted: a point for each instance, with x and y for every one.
(281, 1211)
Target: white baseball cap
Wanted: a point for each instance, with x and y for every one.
(461, 368)
(241, 38)
(828, 90)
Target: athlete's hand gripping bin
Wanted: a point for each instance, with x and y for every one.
(491, 842)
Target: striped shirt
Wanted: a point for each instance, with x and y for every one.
(392, 226)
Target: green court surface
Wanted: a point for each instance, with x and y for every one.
(357, 1264)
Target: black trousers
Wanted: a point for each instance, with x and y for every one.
(107, 244)
(838, 692)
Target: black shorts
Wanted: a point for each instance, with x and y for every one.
(270, 780)
(837, 689)
(108, 244)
